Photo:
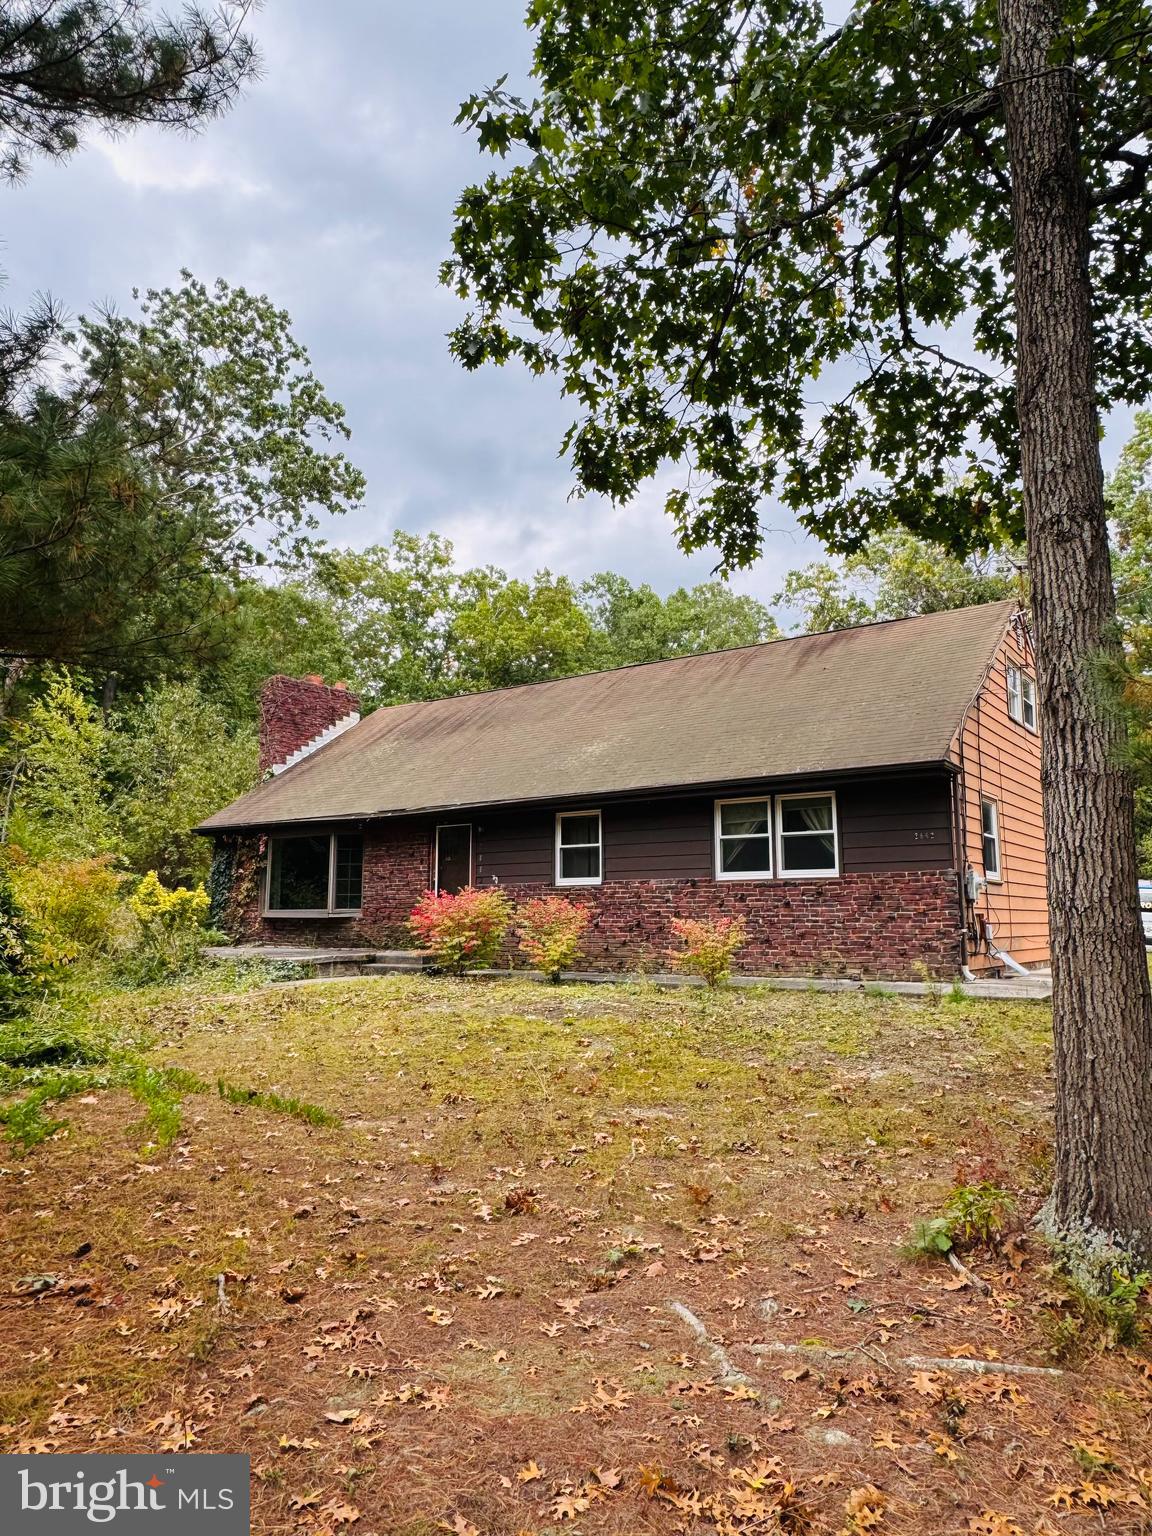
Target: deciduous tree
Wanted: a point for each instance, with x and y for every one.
(887, 272)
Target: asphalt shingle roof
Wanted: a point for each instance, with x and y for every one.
(882, 695)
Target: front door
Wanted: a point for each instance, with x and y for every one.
(453, 857)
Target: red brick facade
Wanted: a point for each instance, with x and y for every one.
(295, 710)
(888, 925)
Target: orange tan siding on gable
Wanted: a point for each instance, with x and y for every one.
(1000, 761)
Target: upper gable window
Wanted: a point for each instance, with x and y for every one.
(316, 875)
(1022, 696)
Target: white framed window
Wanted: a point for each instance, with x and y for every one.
(807, 839)
(1015, 705)
(1028, 700)
(1021, 696)
(579, 851)
(743, 838)
(990, 838)
(317, 874)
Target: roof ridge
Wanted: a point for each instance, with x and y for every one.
(722, 650)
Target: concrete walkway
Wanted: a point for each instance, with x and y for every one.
(354, 961)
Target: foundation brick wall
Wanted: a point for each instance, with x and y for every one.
(884, 926)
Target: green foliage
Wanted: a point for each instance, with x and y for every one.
(22, 977)
(298, 1109)
(979, 1214)
(710, 946)
(172, 928)
(403, 621)
(132, 785)
(895, 576)
(59, 764)
(107, 63)
(464, 930)
(76, 906)
(1111, 1313)
(705, 208)
(520, 632)
(550, 930)
(974, 1215)
(930, 1239)
(181, 447)
(174, 758)
(632, 624)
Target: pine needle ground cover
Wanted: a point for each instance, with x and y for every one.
(597, 1260)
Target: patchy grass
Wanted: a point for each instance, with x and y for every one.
(421, 1262)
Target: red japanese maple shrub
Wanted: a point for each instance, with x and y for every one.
(465, 930)
(550, 929)
(710, 944)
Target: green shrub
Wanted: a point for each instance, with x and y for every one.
(464, 931)
(710, 944)
(171, 931)
(76, 905)
(23, 976)
(550, 930)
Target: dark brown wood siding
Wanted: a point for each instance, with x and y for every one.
(885, 825)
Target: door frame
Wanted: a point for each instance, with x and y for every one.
(444, 826)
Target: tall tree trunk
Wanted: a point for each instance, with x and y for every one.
(1102, 1012)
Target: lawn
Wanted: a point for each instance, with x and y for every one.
(599, 1260)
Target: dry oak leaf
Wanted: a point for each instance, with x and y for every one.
(340, 1514)
(609, 1477)
(991, 1523)
(529, 1473)
(459, 1526)
(302, 1501)
(566, 1506)
(927, 1383)
(289, 1443)
(437, 1317)
(865, 1507)
(343, 1415)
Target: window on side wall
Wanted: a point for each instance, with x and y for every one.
(1021, 687)
(807, 839)
(1028, 701)
(579, 851)
(990, 836)
(314, 875)
(744, 839)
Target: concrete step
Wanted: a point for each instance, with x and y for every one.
(388, 961)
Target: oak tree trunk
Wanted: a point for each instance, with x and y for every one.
(1102, 1012)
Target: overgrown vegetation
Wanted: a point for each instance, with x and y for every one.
(484, 1254)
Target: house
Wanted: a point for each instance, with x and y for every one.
(868, 799)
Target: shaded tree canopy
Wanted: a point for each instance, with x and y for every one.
(894, 576)
(184, 447)
(68, 65)
(779, 253)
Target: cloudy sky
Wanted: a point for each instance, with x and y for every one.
(330, 186)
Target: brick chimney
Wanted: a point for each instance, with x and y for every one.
(299, 714)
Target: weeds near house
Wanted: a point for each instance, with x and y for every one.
(710, 946)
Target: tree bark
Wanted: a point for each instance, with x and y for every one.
(1102, 1011)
